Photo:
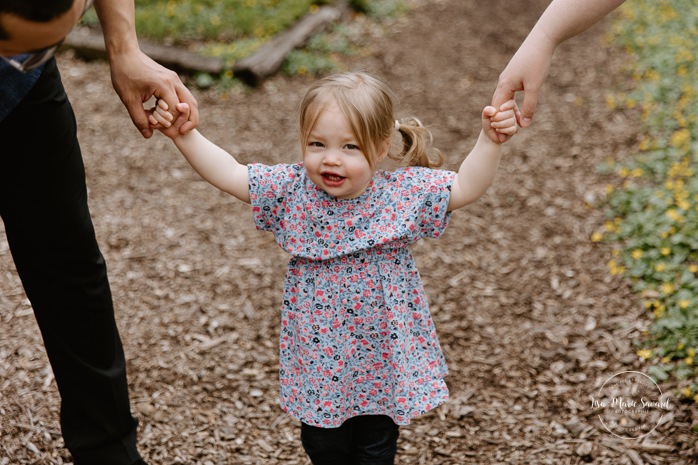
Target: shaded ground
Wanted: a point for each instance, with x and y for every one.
(529, 319)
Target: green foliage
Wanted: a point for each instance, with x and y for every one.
(182, 21)
(234, 29)
(653, 214)
(379, 9)
(323, 52)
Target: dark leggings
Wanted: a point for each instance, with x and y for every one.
(362, 440)
(43, 203)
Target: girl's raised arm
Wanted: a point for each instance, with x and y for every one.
(479, 168)
(214, 164)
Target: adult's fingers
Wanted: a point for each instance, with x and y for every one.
(504, 92)
(528, 108)
(192, 121)
(139, 116)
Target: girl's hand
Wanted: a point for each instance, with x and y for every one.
(169, 122)
(500, 125)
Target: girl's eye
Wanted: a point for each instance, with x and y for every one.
(315, 144)
(351, 147)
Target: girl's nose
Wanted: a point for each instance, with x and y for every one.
(331, 158)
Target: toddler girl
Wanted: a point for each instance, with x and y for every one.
(359, 353)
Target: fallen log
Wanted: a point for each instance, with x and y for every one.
(269, 57)
(252, 70)
(89, 43)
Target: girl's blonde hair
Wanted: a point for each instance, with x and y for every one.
(367, 103)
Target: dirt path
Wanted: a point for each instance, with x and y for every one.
(530, 321)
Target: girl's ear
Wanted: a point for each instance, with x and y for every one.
(383, 149)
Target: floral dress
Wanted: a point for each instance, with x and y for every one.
(357, 337)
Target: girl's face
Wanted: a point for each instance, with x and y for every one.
(333, 159)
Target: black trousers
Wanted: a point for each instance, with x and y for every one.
(43, 203)
(362, 440)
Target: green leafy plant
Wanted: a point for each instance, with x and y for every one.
(653, 213)
(234, 29)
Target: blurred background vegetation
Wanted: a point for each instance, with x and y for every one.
(234, 29)
(652, 205)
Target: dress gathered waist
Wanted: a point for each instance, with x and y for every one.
(372, 255)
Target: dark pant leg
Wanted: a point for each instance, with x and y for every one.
(43, 202)
(362, 440)
(375, 440)
(328, 446)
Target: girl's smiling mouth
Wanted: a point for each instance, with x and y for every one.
(332, 179)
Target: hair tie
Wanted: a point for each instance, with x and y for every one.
(397, 125)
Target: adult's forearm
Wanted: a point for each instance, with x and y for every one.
(117, 18)
(564, 19)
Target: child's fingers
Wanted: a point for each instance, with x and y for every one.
(160, 103)
(163, 119)
(489, 112)
(509, 130)
(499, 124)
(164, 113)
(508, 105)
(503, 114)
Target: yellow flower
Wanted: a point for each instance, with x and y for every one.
(693, 268)
(623, 172)
(665, 251)
(674, 215)
(596, 237)
(683, 303)
(611, 102)
(637, 172)
(652, 75)
(686, 392)
(636, 254)
(680, 138)
(667, 288)
(614, 268)
(659, 267)
(644, 353)
(691, 352)
(659, 311)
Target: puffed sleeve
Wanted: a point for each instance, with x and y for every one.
(426, 193)
(270, 186)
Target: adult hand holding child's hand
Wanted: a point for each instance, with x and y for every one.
(500, 125)
(168, 120)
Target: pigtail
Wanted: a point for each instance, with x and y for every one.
(416, 145)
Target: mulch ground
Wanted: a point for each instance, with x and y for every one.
(530, 320)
